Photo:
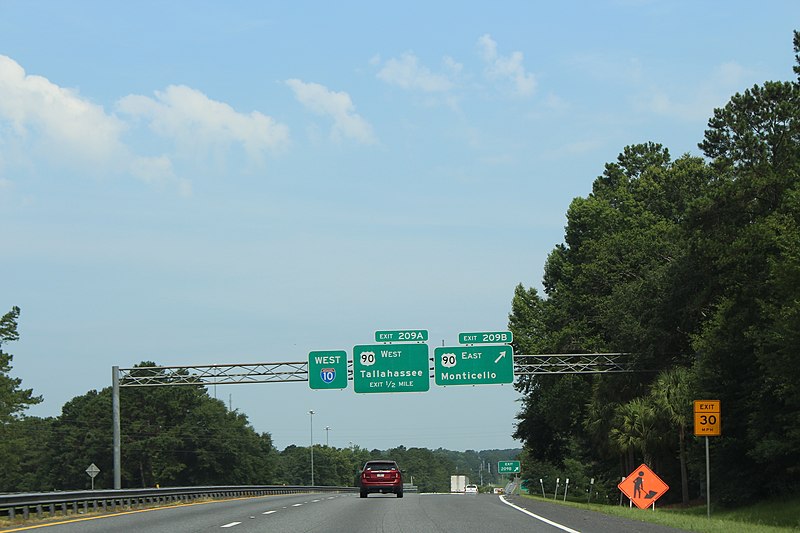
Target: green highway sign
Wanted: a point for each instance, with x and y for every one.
(508, 467)
(486, 337)
(327, 369)
(391, 368)
(403, 335)
(473, 365)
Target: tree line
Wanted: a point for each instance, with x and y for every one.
(692, 267)
(180, 436)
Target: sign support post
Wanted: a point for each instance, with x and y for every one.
(708, 481)
(92, 471)
(707, 423)
(117, 431)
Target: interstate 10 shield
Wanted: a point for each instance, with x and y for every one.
(327, 369)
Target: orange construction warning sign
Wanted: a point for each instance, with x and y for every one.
(643, 487)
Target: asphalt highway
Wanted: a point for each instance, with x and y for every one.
(347, 513)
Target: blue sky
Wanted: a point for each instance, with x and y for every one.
(237, 182)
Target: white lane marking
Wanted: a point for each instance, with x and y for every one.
(330, 497)
(537, 517)
(315, 501)
(297, 505)
(231, 524)
(269, 512)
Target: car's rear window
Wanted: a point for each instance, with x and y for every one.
(380, 466)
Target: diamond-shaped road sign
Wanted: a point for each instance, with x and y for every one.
(643, 487)
(92, 470)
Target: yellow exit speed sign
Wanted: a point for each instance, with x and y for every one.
(707, 418)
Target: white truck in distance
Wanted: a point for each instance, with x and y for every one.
(458, 483)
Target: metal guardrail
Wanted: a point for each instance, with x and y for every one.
(85, 501)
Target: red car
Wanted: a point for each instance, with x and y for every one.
(381, 476)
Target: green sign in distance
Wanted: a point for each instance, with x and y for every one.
(327, 369)
(391, 368)
(486, 337)
(473, 365)
(508, 467)
(403, 335)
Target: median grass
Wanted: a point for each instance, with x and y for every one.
(773, 516)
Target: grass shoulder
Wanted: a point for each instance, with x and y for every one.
(776, 516)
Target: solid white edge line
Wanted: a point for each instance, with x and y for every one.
(537, 517)
(231, 524)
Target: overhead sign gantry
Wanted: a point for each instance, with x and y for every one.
(386, 367)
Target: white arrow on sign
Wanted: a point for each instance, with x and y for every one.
(502, 354)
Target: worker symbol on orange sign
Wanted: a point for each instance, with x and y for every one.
(637, 485)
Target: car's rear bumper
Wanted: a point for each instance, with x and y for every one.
(385, 489)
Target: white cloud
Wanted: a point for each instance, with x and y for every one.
(55, 118)
(61, 128)
(197, 123)
(336, 105)
(159, 170)
(556, 103)
(694, 102)
(506, 67)
(406, 72)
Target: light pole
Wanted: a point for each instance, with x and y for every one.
(327, 429)
(311, 413)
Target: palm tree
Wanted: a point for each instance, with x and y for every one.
(671, 392)
(636, 429)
